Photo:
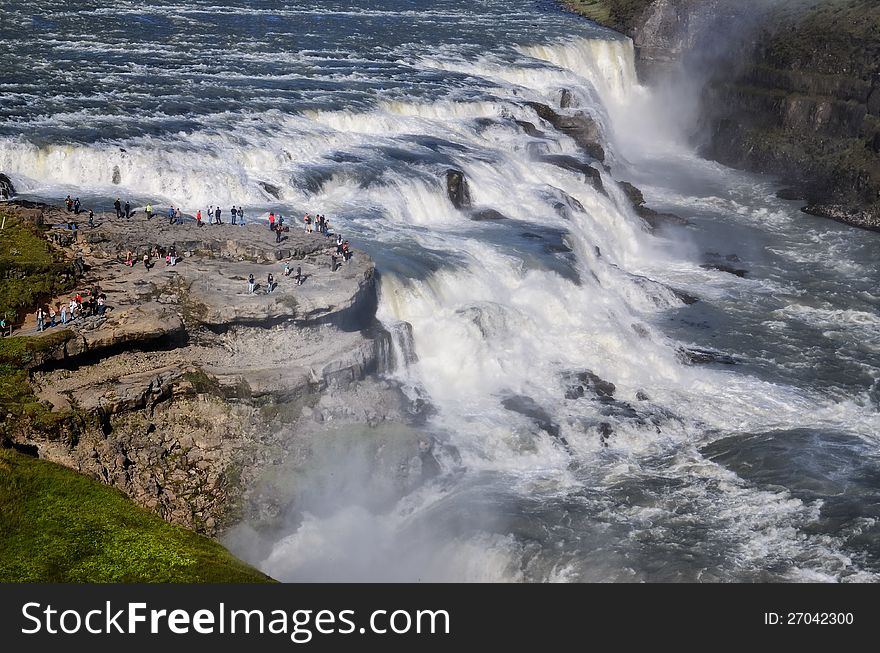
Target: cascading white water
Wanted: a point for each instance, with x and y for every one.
(494, 323)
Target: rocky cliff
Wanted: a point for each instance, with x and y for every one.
(190, 388)
(791, 87)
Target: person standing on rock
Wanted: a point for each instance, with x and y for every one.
(173, 253)
(52, 315)
(40, 318)
(76, 206)
(234, 214)
(299, 275)
(127, 210)
(241, 216)
(146, 261)
(270, 283)
(217, 215)
(251, 283)
(149, 211)
(91, 218)
(170, 215)
(271, 221)
(118, 206)
(199, 217)
(277, 233)
(64, 313)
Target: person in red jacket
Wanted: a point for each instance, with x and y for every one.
(272, 221)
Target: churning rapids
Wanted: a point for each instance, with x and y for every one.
(767, 469)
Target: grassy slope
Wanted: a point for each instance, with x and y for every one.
(29, 270)
(59, 526)
(616, 14)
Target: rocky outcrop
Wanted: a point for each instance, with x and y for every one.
(578, 125)
(457, 189)
(7, 190)
(591, 175)
(655, 219)
(189, 387)
(790, 88)
(803, 103)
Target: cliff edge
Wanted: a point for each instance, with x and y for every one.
(791, 87)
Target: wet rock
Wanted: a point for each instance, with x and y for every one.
(684, 297)
(457, 189)
(654, 218)
(721, 267)
(587, 381)
(480, 215)
(530, 129)
(7, 189)
(591, 175)
(117, 175)
(693, 355)
(566, 100)
(641, 395)
(579, 126)
(657, 220)
(866, 219)
(527, 407)
(271, 189)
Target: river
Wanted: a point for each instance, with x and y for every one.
(765, 469)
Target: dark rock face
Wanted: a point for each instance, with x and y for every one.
(729, 269)
(530, 129)
(566, 100)
(791, 89)
(580, 127)
(692, 356)
(7, 190)
(654, 218)
(846, 214)
(457, 189)
(117, 175)
(270, 189)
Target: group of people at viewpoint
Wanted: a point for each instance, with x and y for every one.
(63, 312)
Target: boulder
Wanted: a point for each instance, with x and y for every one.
(457, 189)
(578, 126)
(566, 100)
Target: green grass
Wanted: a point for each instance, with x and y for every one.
(30, 271)
(24, 351)
(57, 525)
(617, 14)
